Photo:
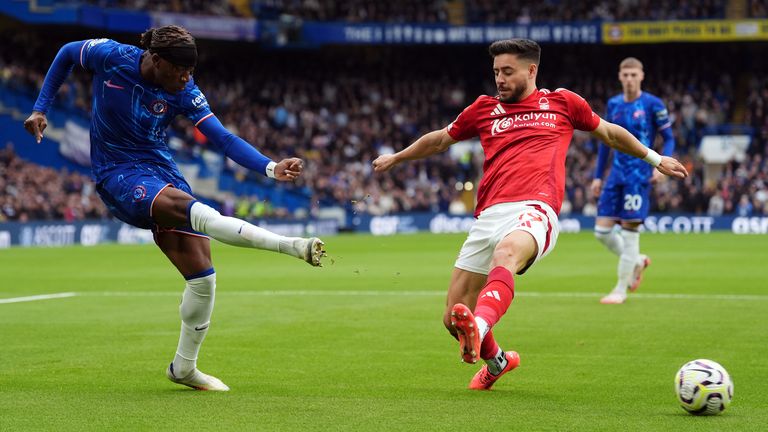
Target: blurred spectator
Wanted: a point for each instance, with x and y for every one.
(32, 192)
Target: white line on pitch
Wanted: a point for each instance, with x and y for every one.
(37, 297)
(380, 293)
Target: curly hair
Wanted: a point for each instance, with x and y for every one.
(167, 36)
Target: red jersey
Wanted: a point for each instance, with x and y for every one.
(525, 144)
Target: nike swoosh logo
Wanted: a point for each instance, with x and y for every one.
(109, 84)
(202, 327)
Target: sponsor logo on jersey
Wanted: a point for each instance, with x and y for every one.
(199, 101)
(638, 114)
(158, 107)
(547, 119)
(93, 42)
(139, 193)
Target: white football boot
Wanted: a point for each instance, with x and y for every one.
(311, 250)
(614, 298)
(197, 380)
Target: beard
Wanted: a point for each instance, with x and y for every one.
(515, 95)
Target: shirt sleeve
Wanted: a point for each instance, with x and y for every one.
(195, 106)
(464, 127)
(57, 74)
(582, 116)
(94, 53)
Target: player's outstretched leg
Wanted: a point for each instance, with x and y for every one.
(197, 380)
(238, 232)
(466, 328)
(485, 378)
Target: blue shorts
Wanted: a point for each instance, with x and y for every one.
(628, 202)
(130, 191)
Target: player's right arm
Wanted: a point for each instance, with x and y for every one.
(431, 143)
(62, 65)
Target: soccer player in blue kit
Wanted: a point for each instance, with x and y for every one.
(136, 94)
(624, 199)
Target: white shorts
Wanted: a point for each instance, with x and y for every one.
(498, 221)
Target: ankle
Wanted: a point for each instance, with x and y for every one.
(182, 367)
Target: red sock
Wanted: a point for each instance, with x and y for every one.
(495, 298)
(489, 347)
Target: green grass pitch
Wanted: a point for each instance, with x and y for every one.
(359, 344)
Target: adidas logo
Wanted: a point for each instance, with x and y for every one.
(493, 294)
(498, 110)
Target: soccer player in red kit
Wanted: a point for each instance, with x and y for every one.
(525, 133)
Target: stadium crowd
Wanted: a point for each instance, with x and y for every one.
(33, 192)
(444, 11)
(340, 116)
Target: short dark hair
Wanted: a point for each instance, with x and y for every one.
(525, 49)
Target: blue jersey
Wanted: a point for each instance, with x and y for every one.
(643, 117)
(130, 115)
(130, 158)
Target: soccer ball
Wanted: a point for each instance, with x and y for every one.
(703, 387)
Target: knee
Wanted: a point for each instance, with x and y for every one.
(200, 214)
(171, 208)
(508, 258)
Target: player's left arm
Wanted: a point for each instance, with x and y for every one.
(620, 139)
(245, 154)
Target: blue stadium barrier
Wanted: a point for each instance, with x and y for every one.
(655, 223)
(89, 233)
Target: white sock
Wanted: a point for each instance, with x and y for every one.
(482, 327)
(497, 363)
(628, 260)
(237, 232)
(611, 239)
(195, 310)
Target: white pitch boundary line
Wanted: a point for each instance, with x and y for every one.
(37, 297)
(379, 293)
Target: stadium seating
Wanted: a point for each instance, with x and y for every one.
(339, 108)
